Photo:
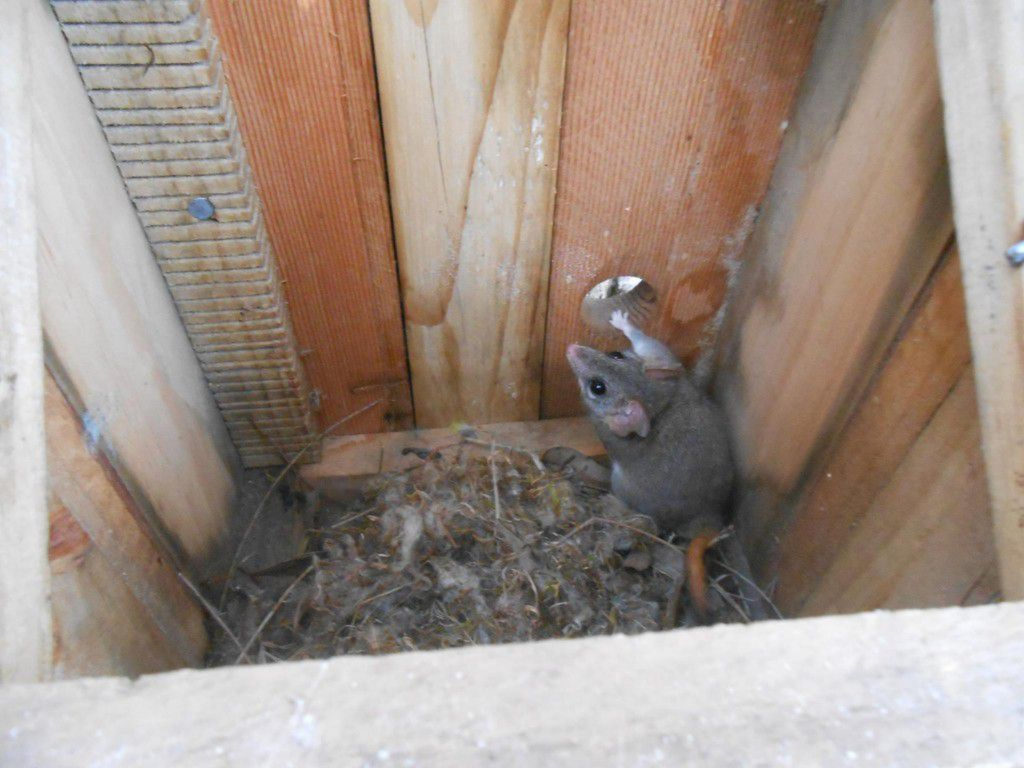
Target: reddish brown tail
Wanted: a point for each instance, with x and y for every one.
(696, 572)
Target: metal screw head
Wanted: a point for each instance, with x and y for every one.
(1015, 254)
(201, 208)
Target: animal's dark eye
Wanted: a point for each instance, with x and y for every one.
(616, 355)
(597, 387)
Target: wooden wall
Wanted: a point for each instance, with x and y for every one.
(114, 341)
(982, 87)
(673, 116)
(659, 121)
(26, 635)
(435, 249)
(139, 471)
(845, 363)
(301, 76)
(897, 515)
(118, 605)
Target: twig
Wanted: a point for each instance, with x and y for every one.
(367, 600)
(728, 598)
(671, 615)
(270, 614)
(640, 531)
(562, 539)
(350, 519)
(492, 445)
(277, 482)
(214, 613)
(494, 485)
(767, 599)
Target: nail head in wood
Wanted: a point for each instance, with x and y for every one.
(1015, 254)
(201, 208)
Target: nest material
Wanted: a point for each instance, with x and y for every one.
(464, 549)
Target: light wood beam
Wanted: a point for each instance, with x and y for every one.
(857, 217)
(912, 688)
(471, 97)
(114, 340)
(979, 49)
(25, 626)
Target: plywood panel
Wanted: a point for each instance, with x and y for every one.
(925, 363)
(926, 539)
(25, 631)
(114, 339)
(858, 216)
(99, 626)
(983, 88)
(301, 76)
(673, 116)
(92, 501)
(471, 99)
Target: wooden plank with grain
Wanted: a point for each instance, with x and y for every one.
(159, 134)
(858, 216)
(100, 627)
(303, 86)
(925, 363)
(910, 688)
(241, 199)
(114, 339)
(88, 490)
(204, 167)
(927, 537)
(471, 97)
(983, 89)
(25, 627)
(141, 55)
(673, 116)
(197, 249)
(181, 216)
(364, 455)
(124, 11)
(170, 151)
(158, 98)
(186, 30)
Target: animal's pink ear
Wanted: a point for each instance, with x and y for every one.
(630, 419)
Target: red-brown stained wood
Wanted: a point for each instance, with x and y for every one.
(302, 79)
(673, 116)
(67, 538)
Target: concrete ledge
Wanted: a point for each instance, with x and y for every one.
(941, 687)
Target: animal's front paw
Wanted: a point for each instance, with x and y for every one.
(620, 320)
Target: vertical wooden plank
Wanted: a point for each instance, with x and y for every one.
(92, 499)
(924, 365)
(674, 113)
(99, 626)
(114, 339)
(25, 626)
(927, 537)
(161, 100)
(983, 88)
(301, 76)
(858, 216)
(471, 98)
